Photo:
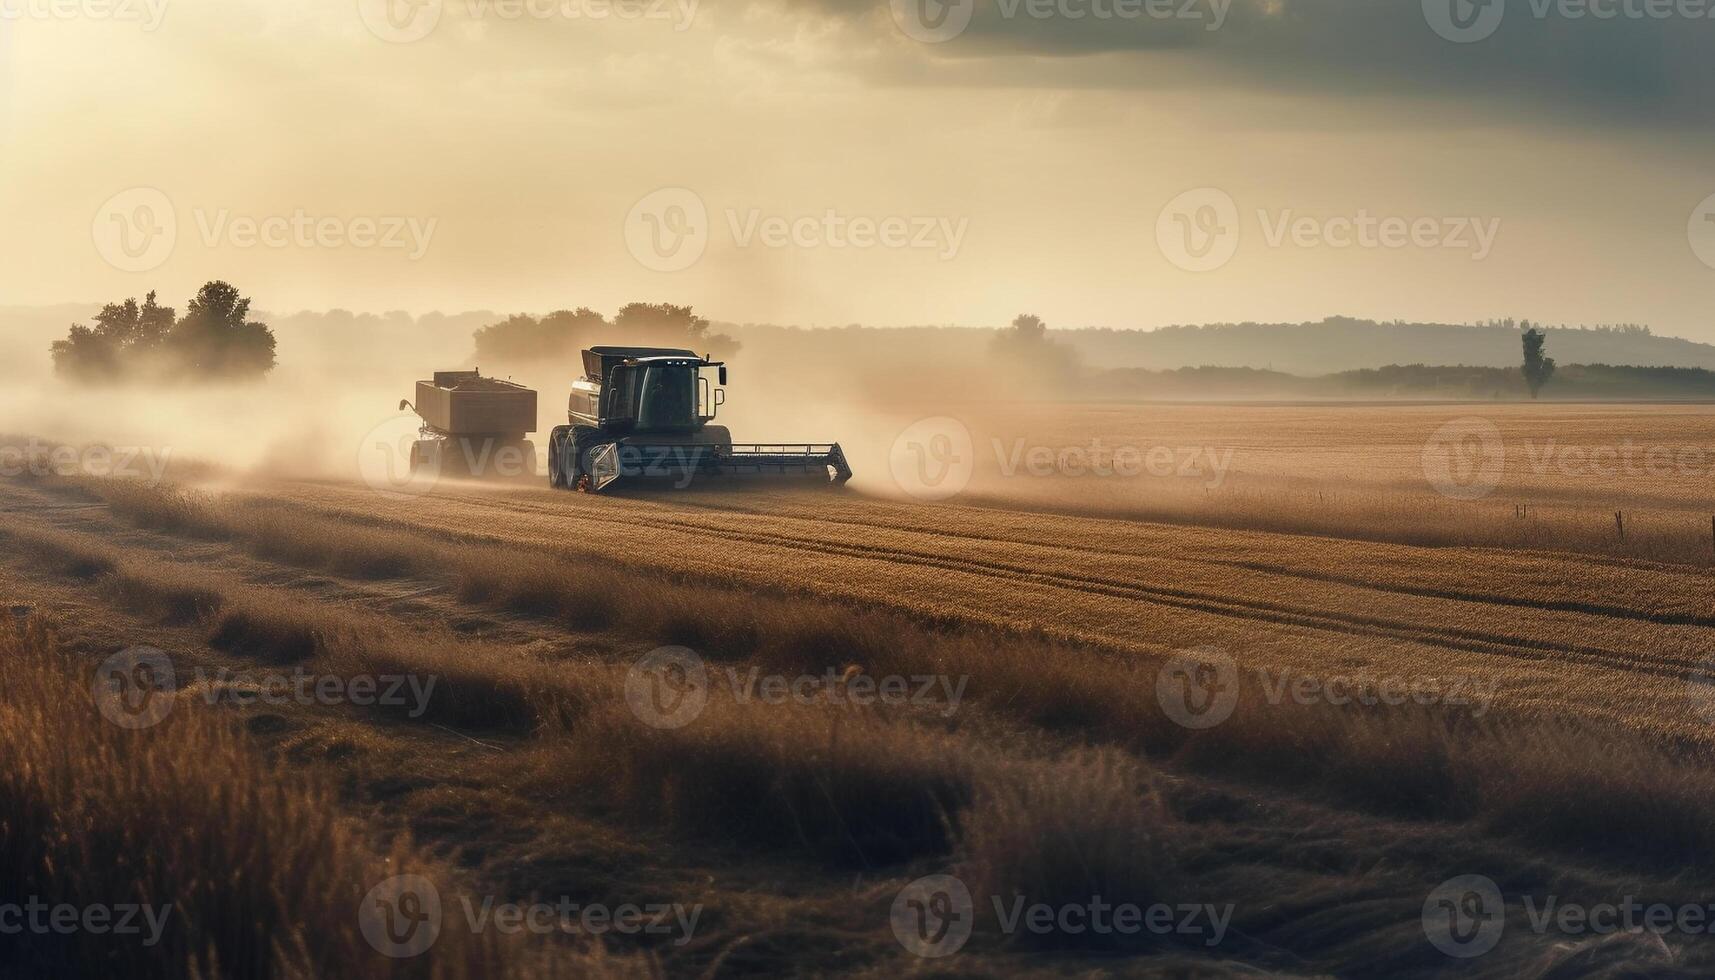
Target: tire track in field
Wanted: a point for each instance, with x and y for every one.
(1220, 605)
(1576, 606)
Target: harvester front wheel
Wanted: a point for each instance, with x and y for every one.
(557, 440)
(585, 439)
(569, 448)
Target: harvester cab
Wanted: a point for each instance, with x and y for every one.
(646, 413)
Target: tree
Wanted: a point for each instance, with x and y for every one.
(1026, 348)
(87, 355)
(664, 323)
(525, 338)
(217, 339)
(1537, 368)
(126, 338)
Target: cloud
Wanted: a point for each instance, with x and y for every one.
(1642, 61)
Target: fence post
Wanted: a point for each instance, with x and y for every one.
(1620, 523)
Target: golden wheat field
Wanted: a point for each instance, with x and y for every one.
(1282, 699)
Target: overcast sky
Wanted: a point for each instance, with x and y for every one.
(1126, 163)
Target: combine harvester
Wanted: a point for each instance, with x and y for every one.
(642, 414)
(474, 426)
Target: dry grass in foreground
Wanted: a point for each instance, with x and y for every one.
(261, 874)
(1555, 784)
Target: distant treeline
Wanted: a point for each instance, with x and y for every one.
(1345, 344)
(560, 335)
(1311, 348)
(214, 341)
(1571, 381)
